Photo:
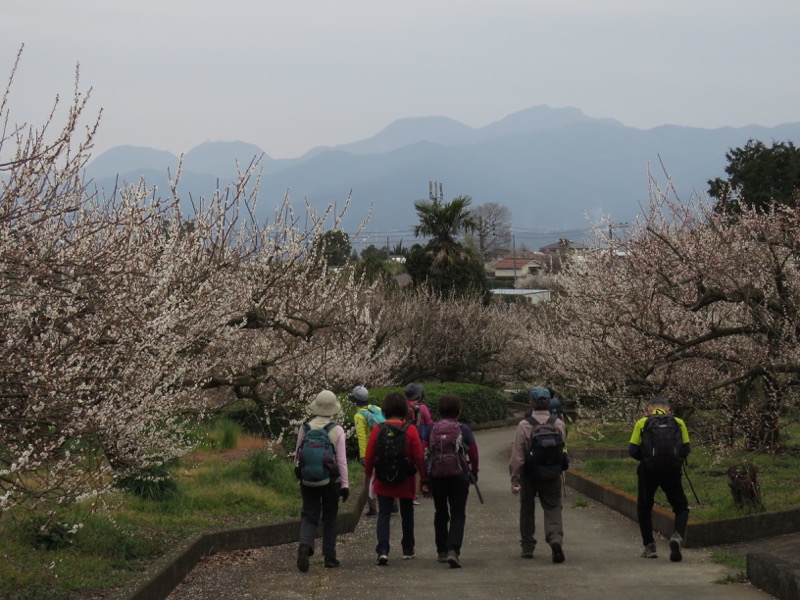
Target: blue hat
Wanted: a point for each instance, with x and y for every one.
(414, 391)
(540, 397)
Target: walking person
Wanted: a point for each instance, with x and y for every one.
(321, 465)
(452, 458)
(420, 415)
(536, 471)
(394, 455)
(660, 442)
(365, 419)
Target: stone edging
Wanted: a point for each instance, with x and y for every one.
(727, 531)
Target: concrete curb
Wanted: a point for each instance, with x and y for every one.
(773, 575)
(158, 580)
(726, 531)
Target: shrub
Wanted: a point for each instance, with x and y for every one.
(271, 470)
(153, 484)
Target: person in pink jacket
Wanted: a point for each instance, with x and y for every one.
(322, 499)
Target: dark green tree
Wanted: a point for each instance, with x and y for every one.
(334, 246)
(444, 264)
(758, 178)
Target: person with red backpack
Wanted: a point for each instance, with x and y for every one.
(394, 455)
(537, 460)
(420, 416)
(452, 458)
(660, 442)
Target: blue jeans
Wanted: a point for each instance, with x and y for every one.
(384, 521)
(449, 493)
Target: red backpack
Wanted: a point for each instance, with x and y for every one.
(446, 456)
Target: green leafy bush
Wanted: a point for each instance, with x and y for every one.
(154, 484)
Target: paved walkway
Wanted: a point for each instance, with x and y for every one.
(602, 558)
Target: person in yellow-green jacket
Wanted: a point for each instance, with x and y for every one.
(366, 417)
(660, 442)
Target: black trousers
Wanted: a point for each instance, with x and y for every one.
(320, 501)
(450, 503)
(671, 483)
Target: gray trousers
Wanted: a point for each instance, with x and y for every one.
(549, 493)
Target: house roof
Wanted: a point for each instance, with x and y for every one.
(568, 244)
(515, 263)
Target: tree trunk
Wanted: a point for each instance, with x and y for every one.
(746, 492)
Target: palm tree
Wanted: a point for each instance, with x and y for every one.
(443, 221)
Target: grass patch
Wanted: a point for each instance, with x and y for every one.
(733, 561)
(707, 472)
(80, 553)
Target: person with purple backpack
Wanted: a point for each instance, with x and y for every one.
(452, 464)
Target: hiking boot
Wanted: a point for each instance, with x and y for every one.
(408, 555)
(371, 513)
(649, 551)
(675, 544)
(527, 554)
(558, 553)
(383, 560)
(303, 552)
(331, 562)
(452, 559)
(441, 557)
(395, 510)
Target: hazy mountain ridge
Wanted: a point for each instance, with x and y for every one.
(549, 166)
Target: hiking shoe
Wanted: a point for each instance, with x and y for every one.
(416, 502)
(558, 553)
(675, 543)
(649, 551)
(527, 554)
(371, 513)
(441, 557)
(331, 562)
(452, 559)
(303, 552)
(383, 560)
(395, 510)
(409, 555)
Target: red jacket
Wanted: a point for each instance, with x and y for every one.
(407, 487)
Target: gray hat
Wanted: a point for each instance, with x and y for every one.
(325, 404)
(414, 391)
(359, 395)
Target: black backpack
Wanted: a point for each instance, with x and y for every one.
(662, 440)
(545, 457)
(391, 464)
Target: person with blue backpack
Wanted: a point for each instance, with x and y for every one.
(660, 442)
(538, 458)
(321, 466)
(366, 417)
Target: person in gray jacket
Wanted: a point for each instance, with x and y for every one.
(528, 486)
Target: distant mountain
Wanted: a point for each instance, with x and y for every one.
(549, 166)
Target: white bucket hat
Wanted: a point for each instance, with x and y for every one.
(325, 404)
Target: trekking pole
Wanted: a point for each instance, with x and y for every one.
(475, 483)
(686, 473)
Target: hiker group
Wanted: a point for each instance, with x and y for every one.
(405, 454)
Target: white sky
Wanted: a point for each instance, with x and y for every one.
(289, 75)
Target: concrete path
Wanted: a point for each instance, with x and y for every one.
(601, 547)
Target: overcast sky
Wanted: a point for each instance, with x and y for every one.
(290, 75)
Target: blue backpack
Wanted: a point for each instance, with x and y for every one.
(316, 458)
(373, 415)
